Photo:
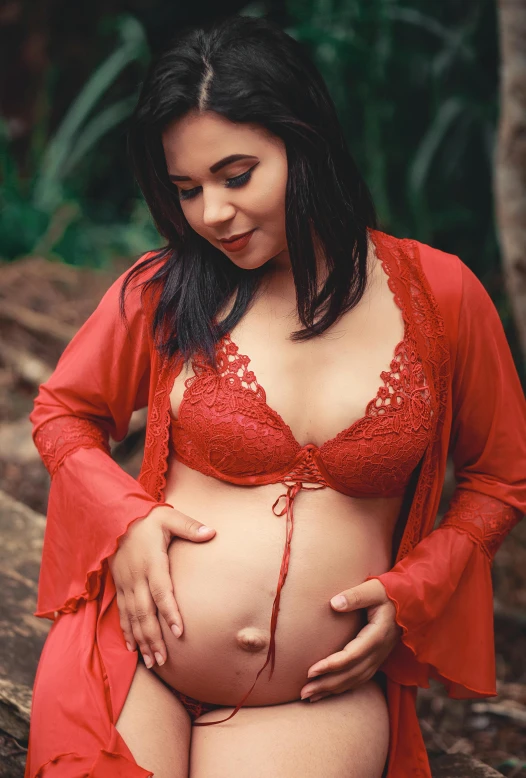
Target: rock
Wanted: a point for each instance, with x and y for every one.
(16, 443)
(15, 707)
(22, 635)
(460, 766)
(12, 757)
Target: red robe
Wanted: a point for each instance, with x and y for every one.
(440, 581)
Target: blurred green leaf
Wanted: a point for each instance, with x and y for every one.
(62, 147)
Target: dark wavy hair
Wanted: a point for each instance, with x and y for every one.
(249, 70)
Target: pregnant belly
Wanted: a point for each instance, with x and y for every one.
(225, 587)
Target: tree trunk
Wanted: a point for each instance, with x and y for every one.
(510, 157)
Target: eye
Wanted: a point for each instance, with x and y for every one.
(187, 194)
(231, 183)
(241, 180)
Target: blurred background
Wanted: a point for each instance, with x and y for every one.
(432, 98)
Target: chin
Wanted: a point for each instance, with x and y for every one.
(250, 262)
(253, 264)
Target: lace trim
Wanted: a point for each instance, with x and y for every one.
(152, 476)
(405, 383)
(402, 406)
(405, 386)
(228, 392)
(485, 519)
(60, 437)
(426, 327)
(239, 404)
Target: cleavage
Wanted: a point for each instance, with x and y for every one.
(321, 386)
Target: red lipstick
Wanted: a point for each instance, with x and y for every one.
(239, 243)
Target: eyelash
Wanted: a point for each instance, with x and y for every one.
(244, 178)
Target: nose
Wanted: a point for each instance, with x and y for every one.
(217, 208)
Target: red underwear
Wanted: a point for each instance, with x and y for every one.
(194, 707)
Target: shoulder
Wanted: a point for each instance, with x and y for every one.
(452, 281)
(429, 273)
(442, 270)
(468, 312)
(449, 283)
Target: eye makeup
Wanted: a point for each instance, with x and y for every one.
(231, 183)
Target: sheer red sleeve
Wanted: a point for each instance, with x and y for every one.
(100, 379)
(442, 589)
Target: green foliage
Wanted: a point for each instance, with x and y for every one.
(416, 91)
(41, 213)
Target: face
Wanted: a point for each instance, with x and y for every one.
(223, 200)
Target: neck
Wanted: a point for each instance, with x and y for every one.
(279, 276)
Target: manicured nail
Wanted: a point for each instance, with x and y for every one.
(176, 630)
(147, 661)
(159, 658)
(339, 602)
(316, 697)
(128, 646)
(203, 530)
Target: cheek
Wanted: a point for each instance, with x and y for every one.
(193, 216)
(268, 199)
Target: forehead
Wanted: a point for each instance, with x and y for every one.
(199, 140)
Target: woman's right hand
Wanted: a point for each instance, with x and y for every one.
(141, 572)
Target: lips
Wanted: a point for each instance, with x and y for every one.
(239, 243)
(235, 237)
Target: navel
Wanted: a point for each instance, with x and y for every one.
(251, 639)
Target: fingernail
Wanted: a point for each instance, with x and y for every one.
(147, 661)
(128, 646)
(176, 630)
(159, 658)
(339, 602)
(305, 695)
(203, 530)
(316, 697)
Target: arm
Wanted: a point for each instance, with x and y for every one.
(442, 589)
(101, 378)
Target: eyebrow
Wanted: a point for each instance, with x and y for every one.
(217, 166)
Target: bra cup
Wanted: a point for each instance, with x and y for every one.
(226, 429)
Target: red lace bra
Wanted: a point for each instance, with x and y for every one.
(226, 430)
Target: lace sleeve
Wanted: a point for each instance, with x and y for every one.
(58, 438)
(484, 519)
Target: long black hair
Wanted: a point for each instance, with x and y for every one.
(249, 70)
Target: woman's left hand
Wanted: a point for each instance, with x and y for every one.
(359, 660)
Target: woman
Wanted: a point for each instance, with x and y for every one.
(401, 358)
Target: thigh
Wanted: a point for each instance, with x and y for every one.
(342, 736)
(155, 726)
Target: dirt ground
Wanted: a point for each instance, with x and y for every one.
(42, 304)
